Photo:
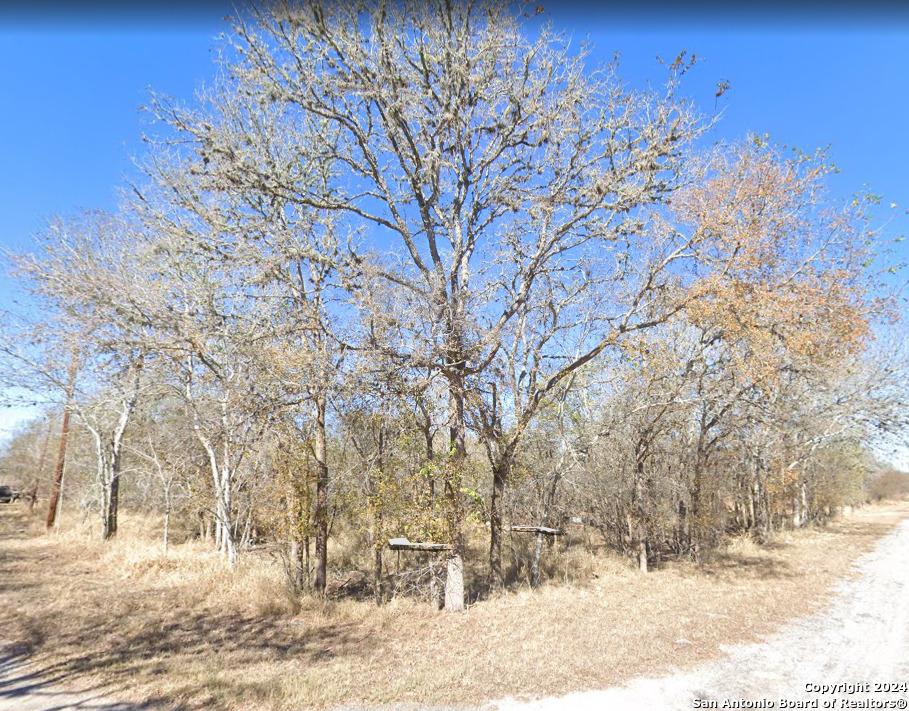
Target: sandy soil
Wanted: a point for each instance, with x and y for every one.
(861, 639)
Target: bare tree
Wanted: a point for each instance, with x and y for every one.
(478, 164)
(80, 277)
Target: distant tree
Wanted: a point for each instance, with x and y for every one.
(26, 458)
(786, 292)
(80, 276)
(889, 486)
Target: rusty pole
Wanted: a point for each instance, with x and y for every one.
(61, 453)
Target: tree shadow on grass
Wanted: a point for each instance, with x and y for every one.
(871, 530)
(213, 642)
(24, 686)
(731, 566)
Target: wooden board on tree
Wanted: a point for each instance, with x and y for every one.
(537, 529)
(402, 544)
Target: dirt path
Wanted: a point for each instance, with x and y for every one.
(861, 639)
(23, 688)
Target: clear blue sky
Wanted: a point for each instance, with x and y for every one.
(70, 90)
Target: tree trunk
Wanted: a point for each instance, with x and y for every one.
(377, 575)
(109, 529)
(246, 538)
(761, 504)
(376, 533)
(697, 523)
(321, 513)
(222, 479)
(683, 531)
(228, 533)
(295, 519)
(701, 515)
(109, 455)
(426, 428)
(499, 476)
(296, 563)
(225, 542)
(640, 525)
(225, 538)
(111, 501)
(751, 513)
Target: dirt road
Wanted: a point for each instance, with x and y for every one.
(24, 688)
(861, 639)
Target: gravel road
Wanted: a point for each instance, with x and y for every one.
(860, 639)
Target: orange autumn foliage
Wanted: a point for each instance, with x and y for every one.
(782, 274)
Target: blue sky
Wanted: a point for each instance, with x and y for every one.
(71, 89)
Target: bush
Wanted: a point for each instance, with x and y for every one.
(890, 486)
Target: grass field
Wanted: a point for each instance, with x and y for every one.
(186, 632)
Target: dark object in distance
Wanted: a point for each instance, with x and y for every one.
(8, 495)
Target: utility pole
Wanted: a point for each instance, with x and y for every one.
(61, 453)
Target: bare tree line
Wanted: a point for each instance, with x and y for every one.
(412, 269)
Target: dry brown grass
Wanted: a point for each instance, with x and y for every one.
(184, 631)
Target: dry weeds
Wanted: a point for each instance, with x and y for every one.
(185, 632)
